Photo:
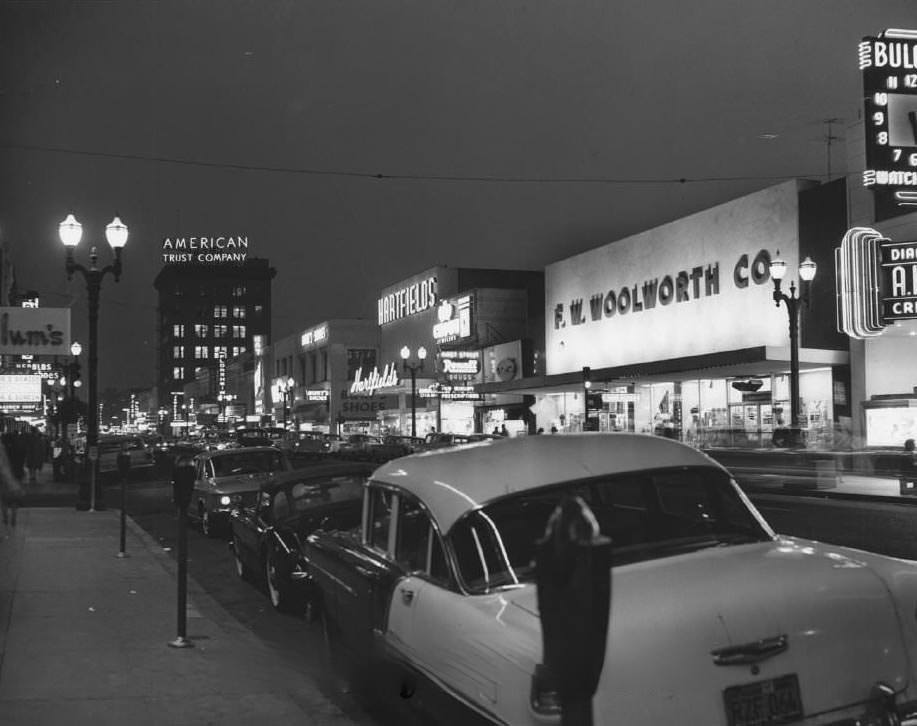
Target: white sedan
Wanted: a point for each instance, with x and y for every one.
(714, 618)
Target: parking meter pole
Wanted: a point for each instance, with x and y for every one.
(573, 579)
(92, 483)
(182, 484)
(124, 466)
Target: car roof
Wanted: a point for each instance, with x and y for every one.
(237, 451)
(310, 471)
(453, 481)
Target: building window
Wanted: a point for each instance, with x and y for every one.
(238, 331)
(178, 373)
(219, 351)
(178, 351)
(219, 311)
(201, 330)
(238, 291)
(324, 365)
(219, 331)
(237, 350)
(178, 331)
(238, 312)
(259, 309)
(200, 351)
(313, 366)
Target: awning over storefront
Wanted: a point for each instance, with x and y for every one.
(756, 361)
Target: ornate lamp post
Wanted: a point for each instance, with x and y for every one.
(807, 269)
(71, 232)
(73, 369)
(413, 368)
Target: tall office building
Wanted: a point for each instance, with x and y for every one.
(208, 312)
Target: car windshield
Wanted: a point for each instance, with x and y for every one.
(247, 462)
(648, 515)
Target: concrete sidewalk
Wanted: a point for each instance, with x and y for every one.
(84, 636)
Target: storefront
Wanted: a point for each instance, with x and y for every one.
(675, 330)
(437, 325)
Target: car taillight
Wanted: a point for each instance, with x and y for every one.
(544, 697)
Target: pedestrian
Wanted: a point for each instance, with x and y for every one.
(503, 431)
(10, 483)
(540, 430)
(36, 452)
(496, 431)
(553, 429)
(907, 478)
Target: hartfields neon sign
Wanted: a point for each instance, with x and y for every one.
(375, 381)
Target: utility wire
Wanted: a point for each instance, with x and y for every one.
(401, 177)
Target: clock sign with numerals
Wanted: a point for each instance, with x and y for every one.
(889, 66)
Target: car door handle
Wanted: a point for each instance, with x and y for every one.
(407, 595)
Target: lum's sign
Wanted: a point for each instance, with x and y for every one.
(34, 331)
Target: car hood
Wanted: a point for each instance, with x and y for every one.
(242, 482)
(669, 616)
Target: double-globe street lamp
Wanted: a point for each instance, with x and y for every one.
(71, 232)
(413, 368)
(793, 301)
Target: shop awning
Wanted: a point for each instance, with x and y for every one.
(756, 361)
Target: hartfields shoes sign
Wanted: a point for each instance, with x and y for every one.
(34, 331)
(374, 381)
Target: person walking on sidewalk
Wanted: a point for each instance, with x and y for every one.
(10, 483)
(36, 453)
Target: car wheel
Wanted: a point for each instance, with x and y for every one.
(241, 567)
(275, 589)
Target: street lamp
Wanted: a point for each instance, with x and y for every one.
(413, 368)
(285, 386)
(71, 232)
(807, 269)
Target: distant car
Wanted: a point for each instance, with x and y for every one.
(359, 446)
(230, 478)
(714, 619)
(252, 437)
(139, 451)
(392, 446)
(311, 443)
(440, 440)
(266, 536)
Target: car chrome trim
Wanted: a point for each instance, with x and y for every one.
(747, 653)
(396, 654)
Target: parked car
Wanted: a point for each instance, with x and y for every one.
(252, 437)
(715, 619)
(139, 451)
(266, 536)
(231, 477)
(359, 446)
(392, 446)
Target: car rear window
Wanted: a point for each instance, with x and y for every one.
(648, 515)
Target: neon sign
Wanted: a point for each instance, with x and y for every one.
(407, 301)
(204, 249)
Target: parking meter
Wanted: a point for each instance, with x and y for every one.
(573, 578)
(183, 484)
(124, 463)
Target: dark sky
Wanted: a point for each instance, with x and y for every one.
(508, 134)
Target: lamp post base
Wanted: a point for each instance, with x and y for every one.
(180, 642)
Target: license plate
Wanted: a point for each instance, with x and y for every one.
(762, 703)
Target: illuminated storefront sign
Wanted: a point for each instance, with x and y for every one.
(375, 380)
(20, 389)
(315, 336)
(453, 320)
(207, 250)
(460, 365)
(316, 395)
(35, 331)
(408, 300)
(365, 408)
(889, 66)
(898, 280)
(450, 393)
(702, 283)
(857, 283)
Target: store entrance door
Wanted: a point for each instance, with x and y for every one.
(752, 423)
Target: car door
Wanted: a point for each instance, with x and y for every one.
(363, 574)
(249, 527)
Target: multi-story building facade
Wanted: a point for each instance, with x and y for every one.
(209, 313)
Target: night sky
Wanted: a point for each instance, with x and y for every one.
(357, 143)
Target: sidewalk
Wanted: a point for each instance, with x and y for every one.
(84, 636)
